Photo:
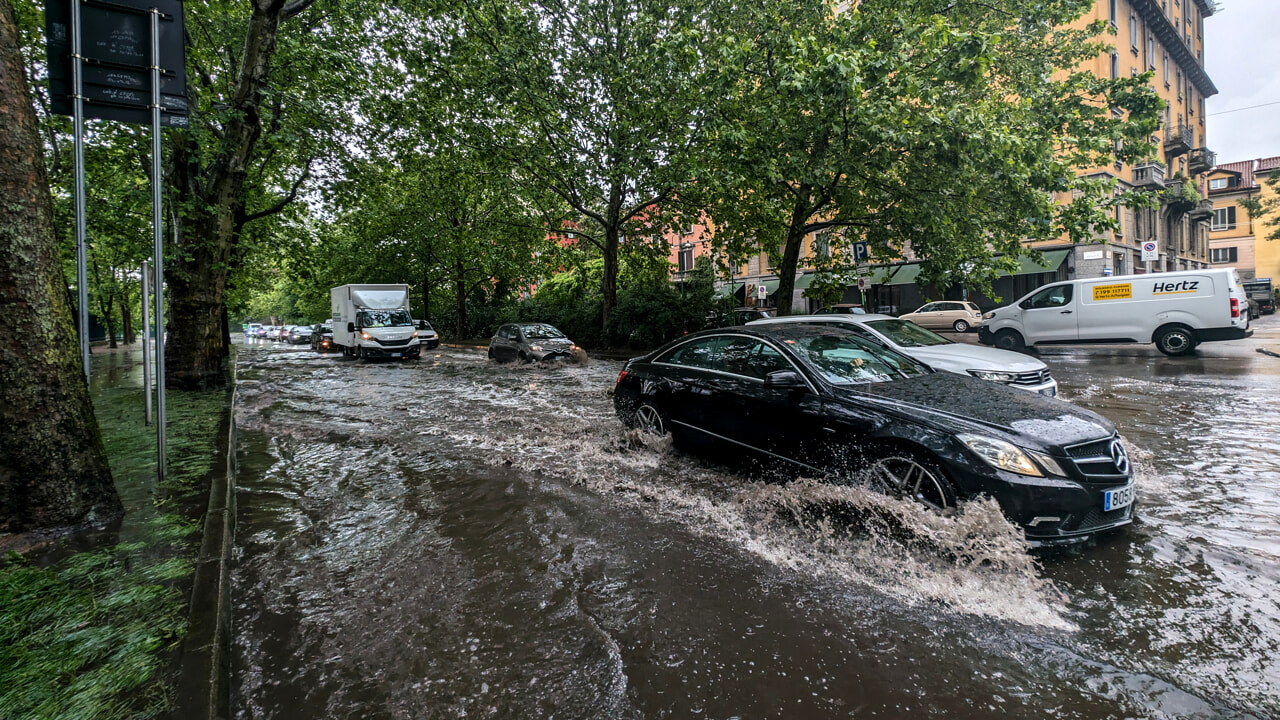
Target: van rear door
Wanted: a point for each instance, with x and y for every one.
(1050, 315)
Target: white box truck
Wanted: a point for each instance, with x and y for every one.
(372, 321)
(1177, 311)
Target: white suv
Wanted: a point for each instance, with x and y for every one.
(1002, 366)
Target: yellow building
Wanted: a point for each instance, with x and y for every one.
(1235, 238)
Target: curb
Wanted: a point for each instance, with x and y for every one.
(204, 677)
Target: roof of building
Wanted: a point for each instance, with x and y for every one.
(1267, 164)
(1243, 168)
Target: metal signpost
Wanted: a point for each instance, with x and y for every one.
(146, 338)
(112, 64)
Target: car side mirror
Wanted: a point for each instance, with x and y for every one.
(783, 379)
(1025, 304)
(351, 327)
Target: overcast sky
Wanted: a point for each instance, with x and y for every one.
(1242, 56)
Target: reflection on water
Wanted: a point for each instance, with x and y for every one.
(454, 538)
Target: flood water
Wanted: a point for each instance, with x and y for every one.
(453, 538)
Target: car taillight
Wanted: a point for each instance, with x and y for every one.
(1235, 308)
(621, 375)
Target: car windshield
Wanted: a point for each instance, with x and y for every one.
(540, 332)
(385, 318)
(842, 358)
(424, 325)
(907, 334)
(326, 329)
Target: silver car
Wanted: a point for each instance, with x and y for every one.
(531, 342)
(1002, 366)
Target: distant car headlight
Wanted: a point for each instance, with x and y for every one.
(994, 376)
(574, 348)
(1001, 454)
(536, 348)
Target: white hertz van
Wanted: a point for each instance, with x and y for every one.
(1177, 311)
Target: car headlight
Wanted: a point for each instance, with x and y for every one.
(415, 334)
(536, 348)
(1001, 454)
(1049, 464)
(994, 376)
(988, 316)
(574, 348)
(364, 335)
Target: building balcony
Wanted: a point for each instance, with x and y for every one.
(1201, 160)
(1178, 140)
(1148, 175)
(1202, 212)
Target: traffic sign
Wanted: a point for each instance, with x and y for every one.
(860, 251)
(864, 283)
(1149, 251)
(761, 291)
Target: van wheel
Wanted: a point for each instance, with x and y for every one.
(961, 326)
(1010, 340)
(1176, 340)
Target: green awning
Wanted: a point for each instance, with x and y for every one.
(1052, 261)
(904, 274)
(805, 280)
(770, 286)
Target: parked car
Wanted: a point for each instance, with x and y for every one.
(1002, 366)
(830, 402)
(954, 315)
(1176, 310)
(530, 342)
(428, 338)
(843, 309)
(300, 334)
(322, 339)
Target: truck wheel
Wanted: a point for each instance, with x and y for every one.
(961, 326)
(1175, 340)
(1010, 340)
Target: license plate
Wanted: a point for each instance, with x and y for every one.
(1118, 498)
(395, 354)
(1049, 392)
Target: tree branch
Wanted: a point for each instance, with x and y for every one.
(274, 209)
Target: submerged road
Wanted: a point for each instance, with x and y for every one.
(454, 538)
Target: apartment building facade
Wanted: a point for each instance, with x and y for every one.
(1236, 239)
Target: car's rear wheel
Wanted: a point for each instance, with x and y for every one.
(910, 475)
(1009, 340)
(960, 326)
(650, 420)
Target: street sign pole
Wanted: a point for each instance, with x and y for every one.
(158, 238)
(146, 338)
(77, 123)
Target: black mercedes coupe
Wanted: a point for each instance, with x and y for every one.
(830, 403)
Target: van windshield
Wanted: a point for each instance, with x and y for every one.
(385, 318)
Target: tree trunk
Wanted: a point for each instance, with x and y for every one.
(460, 296)
(210, 228)
(53, 468)
(609, 282)
(791, 251)
(126, 317)
(426, 294)
(109, 316)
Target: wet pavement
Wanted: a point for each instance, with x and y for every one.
(453, 538)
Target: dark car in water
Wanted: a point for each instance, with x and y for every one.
(322, 339)
(530, 342)
(829, 402)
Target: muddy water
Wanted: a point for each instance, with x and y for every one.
(453, 538)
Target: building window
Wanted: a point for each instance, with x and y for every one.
(822, 244)
(1223, 255)
(686, 256)
(1166, 69)
(1113, 12)
(1133, 30)
(1151, 51)
(1115, 66)
(1218, 184)
(1179, 73)
(1224, 218)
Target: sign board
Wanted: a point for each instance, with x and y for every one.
(864, 283)
(1119, 291)
(116, 71)
(1092, 254)
(1106, 271)
(860, 251)
(1149, 251)
(762, 292)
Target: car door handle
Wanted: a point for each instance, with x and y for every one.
(1065, 312)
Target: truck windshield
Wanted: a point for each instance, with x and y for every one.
(385, 318)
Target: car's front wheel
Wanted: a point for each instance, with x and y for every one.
(910, 475)
(1009, 340)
